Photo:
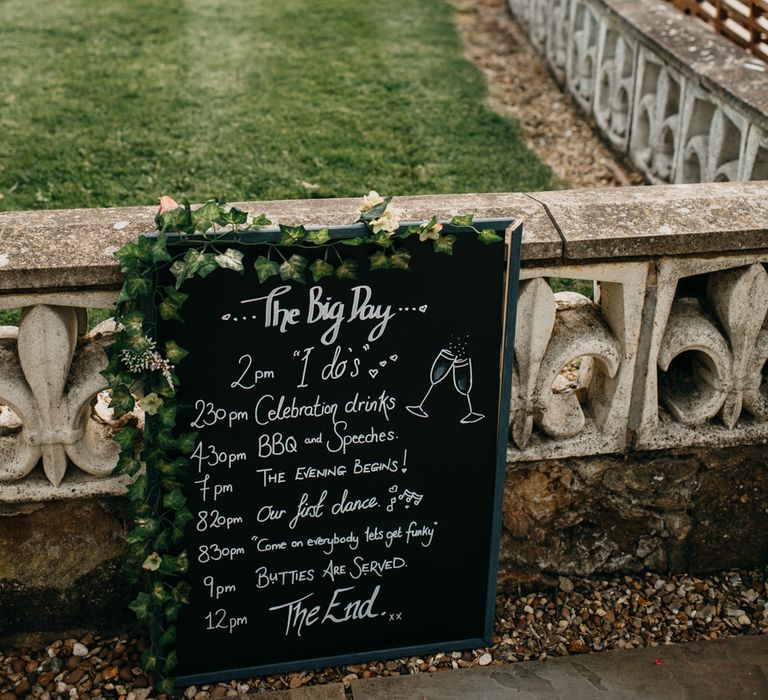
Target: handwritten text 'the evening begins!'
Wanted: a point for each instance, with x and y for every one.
(324, 310)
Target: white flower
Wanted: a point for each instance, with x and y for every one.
(152, 562)
(387, 222)
(371, 200)
(432, 232)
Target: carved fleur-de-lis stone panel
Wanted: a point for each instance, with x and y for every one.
(549, 418)
(704, 384)
(51, 388)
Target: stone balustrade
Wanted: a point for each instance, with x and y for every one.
(670, 353)
(682, 103)
(637, 419)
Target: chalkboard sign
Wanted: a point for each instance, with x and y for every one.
(346, 480)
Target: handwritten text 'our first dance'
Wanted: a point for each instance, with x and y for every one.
(319, 309)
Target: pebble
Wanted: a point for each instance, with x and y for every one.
(485, 659)
(79, 649)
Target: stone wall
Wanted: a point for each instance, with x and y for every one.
(637, 419)
(681, 102)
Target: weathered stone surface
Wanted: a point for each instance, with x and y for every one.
(661, 220)
(697, 510)
(717, 63)
(74, 248)
(59, 566)
(734, 668)
(331, 691)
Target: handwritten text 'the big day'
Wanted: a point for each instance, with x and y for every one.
(326, 310)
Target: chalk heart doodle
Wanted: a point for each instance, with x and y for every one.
(373, 373)
(383, 363)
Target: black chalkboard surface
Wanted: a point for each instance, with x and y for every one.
(346, 483)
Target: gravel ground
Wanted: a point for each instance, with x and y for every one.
(520, 86)
(570, 617)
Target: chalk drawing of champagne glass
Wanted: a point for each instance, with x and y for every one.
(462, 381)
(440, 368)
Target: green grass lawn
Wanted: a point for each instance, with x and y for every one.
(116, 102)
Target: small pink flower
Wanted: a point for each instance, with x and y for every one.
(166, 203)
(438, 227)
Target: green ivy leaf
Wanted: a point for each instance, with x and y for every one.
(168, 636)
(172, 566)
(175, 500)
(194, 262)
(142, 607)
(357, 240)
(319, 237)
(170, 663)
(401, 259)
(233, 216)
(159, 249)
(133, 323)
(127, 463)
(181, 271)
(380, 261)
(138, 489)
(166, 415)
(138, 343)
(185, 443)
(168, 311)
(464, 220)
(291, 235)
(172, 302)
(176, 219)
(259, 221)
(117, 378)
(137, 285)
(165, 686)
(165, 441)
(172, 611)
(382, 240)
(174, 352)
(293, 269)
(148, 661)
(410, 231)
(320, 269)
(128, 256)
(205, 216)
(150, 404)
(125, 437)
(489, 236)
(180, 523)
(121, 401)
(160, 594)
(265, 268)
(347, 270)
(230, 259)
(444, 244)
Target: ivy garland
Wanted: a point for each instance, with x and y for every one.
(137, 368)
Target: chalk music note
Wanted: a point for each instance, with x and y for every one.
(393, 500)
(410, 497)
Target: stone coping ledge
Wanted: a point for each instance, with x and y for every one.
(68, 249)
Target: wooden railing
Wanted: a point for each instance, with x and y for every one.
(744, 22)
